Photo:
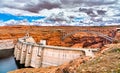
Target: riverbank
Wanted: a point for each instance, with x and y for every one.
(5, 53)
(7, 61)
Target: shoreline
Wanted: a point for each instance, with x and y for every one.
(5, 53)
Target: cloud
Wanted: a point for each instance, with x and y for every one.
(37, 5)
(30, 5)
(11, 4)
(17, 12)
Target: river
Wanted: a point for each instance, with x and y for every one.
(7, 61)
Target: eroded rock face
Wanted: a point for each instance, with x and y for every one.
(117, 35)
(78, 45)
(98, 45)
(53, 36)
(88, 41)
(85, 39)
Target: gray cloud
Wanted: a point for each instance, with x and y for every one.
(49, 4)
(97, 2)
(41, 5)
(36, 5)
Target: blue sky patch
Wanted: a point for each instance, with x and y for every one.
(6, 17)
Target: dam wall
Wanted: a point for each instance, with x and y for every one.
(42, 55)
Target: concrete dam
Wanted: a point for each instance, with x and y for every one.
(41, 55)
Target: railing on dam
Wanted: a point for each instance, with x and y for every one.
(34, 55)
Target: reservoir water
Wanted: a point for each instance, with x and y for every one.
(7, 61)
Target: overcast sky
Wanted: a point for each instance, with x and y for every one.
(37, 5)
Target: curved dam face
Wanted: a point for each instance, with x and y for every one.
(35, 55)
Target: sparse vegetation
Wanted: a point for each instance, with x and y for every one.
(109, 62)
(117, 50)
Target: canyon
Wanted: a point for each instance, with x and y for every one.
(54, 36)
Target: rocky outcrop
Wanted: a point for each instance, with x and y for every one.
(53, 35)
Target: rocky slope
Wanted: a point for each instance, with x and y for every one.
(105, 62)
